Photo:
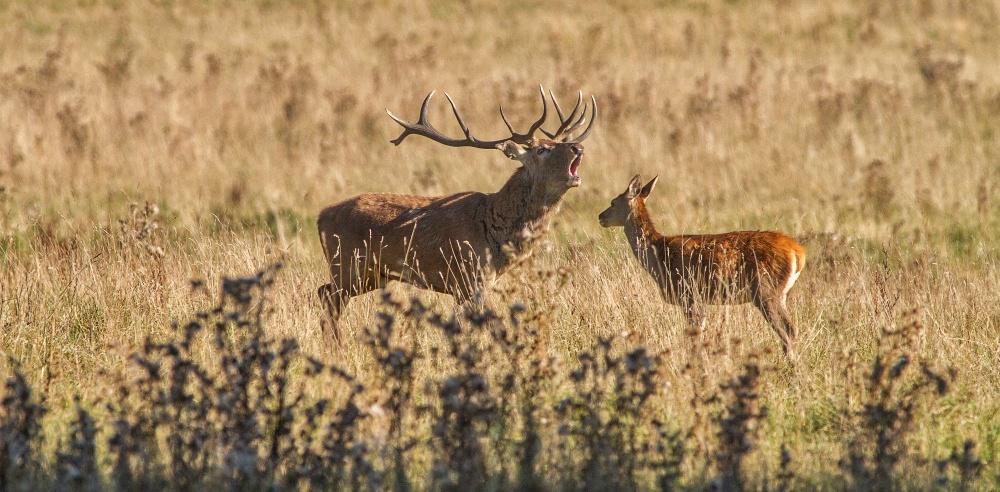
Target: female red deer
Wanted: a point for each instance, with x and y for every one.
(732, 268)
(453, 244)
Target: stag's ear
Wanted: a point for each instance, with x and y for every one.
(633, 185)
(644, 192)
(511, 150)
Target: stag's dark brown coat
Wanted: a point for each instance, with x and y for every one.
(452, 244)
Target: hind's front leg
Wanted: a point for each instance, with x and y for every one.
(694, 314)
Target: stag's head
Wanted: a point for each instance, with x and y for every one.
(552, 161)
(623, 205)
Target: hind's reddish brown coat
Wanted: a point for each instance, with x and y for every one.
(759, 267)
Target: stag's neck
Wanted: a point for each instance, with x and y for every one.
(639, 229)
(520, 211)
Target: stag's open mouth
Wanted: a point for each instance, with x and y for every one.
(574, 178)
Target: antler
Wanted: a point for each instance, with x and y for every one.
(424, 127)
(570, 123)
(567, 124)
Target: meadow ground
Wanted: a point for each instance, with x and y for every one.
(145, 144)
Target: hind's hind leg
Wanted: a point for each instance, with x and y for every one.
(777, 316)
(787, 320)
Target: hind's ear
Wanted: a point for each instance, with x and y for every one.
(644, 192)
(633, 185)
(512, 150)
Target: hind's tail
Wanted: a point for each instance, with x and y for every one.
(796, 262)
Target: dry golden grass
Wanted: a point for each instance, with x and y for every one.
(866, 131)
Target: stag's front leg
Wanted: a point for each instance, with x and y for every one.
(477, 304)
(471, 298)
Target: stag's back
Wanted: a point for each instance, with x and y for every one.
(403, 233)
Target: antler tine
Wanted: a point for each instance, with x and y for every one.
(422, 119)
(545, 113)
(411, 128)
(559, 113)
(424, 127)
(555, 102)
(458, 116)
(527, 136)
(565, 123)
(590, 126)
(505, 122)
(576, 124)
(579, 101)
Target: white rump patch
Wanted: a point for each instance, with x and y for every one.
(792, 275)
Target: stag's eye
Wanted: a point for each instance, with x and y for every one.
(542, 150)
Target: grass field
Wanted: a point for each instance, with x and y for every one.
(145, 144)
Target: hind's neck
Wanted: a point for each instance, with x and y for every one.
(639, 228)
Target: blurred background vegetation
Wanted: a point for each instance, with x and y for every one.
(143, 144)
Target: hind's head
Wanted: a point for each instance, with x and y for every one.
(623, 206)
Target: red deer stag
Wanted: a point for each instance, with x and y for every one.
(731, 268)
(453, 244)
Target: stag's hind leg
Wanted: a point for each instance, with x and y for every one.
(334, 300)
